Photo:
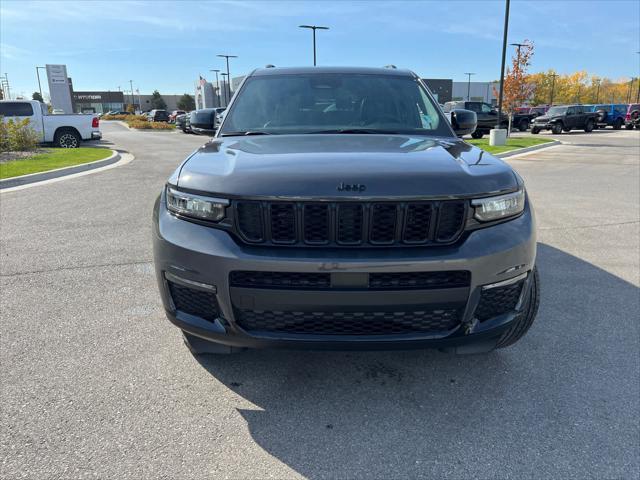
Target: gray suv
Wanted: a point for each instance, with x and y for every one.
(336, 208)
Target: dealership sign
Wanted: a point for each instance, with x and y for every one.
(59, 90)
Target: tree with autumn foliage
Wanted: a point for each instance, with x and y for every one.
(516, 88)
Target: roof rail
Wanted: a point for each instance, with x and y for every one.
(269, 66)
(391, 66)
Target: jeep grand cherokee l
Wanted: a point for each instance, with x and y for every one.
(337, 208)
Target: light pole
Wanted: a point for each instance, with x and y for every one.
(217, 85)
(553, 84)
(39, 85)
(133, 101)
(598, 91)
(314, 28)
(468, 74)
(6, 81)
(225, 75)
(228, 75)
(504, 54)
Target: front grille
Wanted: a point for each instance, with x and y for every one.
(377, 281)
(194, 302)
(349, 323)
(350, 223)
(309, 281)
(499, 300)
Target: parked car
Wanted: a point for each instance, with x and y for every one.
(158, 115)
(609, 114)
(121, 112)
(488, 117)
(205, 120)
(338, 217)
(181, 122)
(174, 114)
(66, 131)
(537, 111)
(564, 118)
(632, 117)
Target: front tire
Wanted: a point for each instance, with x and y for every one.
(628, 126)
(523, 126)
(476, 135)
(557, 128)
(535, 131)
(525, 319)
(67, 139)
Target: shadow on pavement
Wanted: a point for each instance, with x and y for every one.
(560, 403)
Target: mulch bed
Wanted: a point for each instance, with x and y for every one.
(10, 156)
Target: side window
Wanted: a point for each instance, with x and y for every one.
(16, 109)
(579, 110)
(474, 107)
(571, 111)
(486, 108)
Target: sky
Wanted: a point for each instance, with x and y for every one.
(166, 45)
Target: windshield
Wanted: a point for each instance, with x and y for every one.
(327, 103)
(557, 111)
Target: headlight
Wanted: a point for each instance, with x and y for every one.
(495, 208)
(196, 206)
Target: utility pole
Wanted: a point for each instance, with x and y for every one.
(553, 84)
(314, 28)
(468, 74)
(598, 91)
(228, 75)
(217, 86)
(504, 54)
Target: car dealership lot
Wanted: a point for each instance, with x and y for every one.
(98, 384)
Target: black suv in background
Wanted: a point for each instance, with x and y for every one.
(158, 116)
(564, 118)
(488, 117)
(205, 121)
(336, 207)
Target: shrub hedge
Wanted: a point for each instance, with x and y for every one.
(17, 136)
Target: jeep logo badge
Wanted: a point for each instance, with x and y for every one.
(351, 187)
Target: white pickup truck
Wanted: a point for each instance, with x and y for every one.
(66, 131)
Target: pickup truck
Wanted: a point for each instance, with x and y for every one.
(488, 117)
(65, 131)
(564, 118)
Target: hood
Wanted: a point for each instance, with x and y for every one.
(319, 165)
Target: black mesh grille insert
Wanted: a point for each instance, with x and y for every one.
(316, 223)
(250, 221)
(383, 223)
(450, 220)
(349, 224)
(283, 222)
(194, 302)
(402, 280)
(499, 300)
(349, 323)
(309, 281)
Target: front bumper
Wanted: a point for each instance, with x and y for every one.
(203, 258)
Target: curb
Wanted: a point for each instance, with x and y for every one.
(533, 148)
(58, 172)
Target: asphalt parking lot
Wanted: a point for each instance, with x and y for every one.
(97, 384)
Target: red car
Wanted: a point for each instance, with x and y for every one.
(633, 116)
(174, 114)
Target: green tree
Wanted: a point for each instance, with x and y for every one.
(157, 102)
(37, 96)
(187, 102)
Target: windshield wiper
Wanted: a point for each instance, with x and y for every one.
(248, 132)
(355, 130)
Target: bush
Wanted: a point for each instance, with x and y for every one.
(115, 117)
(17, 136)
(144, 125)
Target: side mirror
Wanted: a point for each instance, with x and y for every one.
(464, 121)
(494, 112)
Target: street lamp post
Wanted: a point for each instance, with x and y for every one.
(553, 84)
(504, 54)
(225, 75)
(468, 74)
(217, 86)
(314, 28)
(133, 101)
(39, 85)
(227, 57)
